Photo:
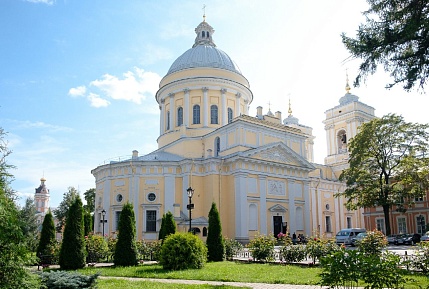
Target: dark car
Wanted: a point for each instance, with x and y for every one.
(411, 239)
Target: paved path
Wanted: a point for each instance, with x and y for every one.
(236, 284)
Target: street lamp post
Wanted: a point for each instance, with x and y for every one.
(421, 222)
(103, 213)
(190, 206)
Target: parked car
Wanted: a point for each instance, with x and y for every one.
(425, 237)
(345, 236)
(411, 239)
(391, 239)
(400, 239)
(358, 238)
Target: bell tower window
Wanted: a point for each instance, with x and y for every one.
(203, 34)
(196, 114)
(213, 114)
(342, 141)
(179, 116)
(168, 120)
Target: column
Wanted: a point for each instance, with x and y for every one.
(205, 107)
(307, 209)
(237, 104)
(241, 208)
(186, 115)
(263, 204)
(169, 193)
(224, 118)
(162, 117)
(172, 112)
(292, 208)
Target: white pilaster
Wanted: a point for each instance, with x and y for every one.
(162, 117)
(307, 224)
(172, 112)
(205, 107)
(169, 193)
(237, 103)
(224, 118)
(263, 204)
(186, 115)
(292, 207)
(241, 208)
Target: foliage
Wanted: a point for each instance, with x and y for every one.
(183, 251)
(89, 197)
(126, 250)
(317, 248)
(420, 260)
(262, 248)
(72, 254)
(148, 250)
(284, 239)
(232, 247)
(389, 165)
(96, 248)
(47, 236)
(111, 245)
(215, 244)
(67, 280)
(61, 212)
(168, 226)
(373, 243)
(154, 250)
(13, 244)
(345, 268)
(293, 253)
(87, 223)
(29, 226)
(394, 36)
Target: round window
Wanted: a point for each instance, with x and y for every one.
(151, 197)
(119, 198)
(327, 206)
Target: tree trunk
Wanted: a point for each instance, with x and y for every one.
(386, 211)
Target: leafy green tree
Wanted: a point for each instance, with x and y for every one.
(29, 226)
(215, 242)
(47, 236)
(62, 211)
(72, 254)
(389, 165)
(89, 197)
(126, 249)
(13, 246)
(395, 36)
(87, 221)
(168, 226)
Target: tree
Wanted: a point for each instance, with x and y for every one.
(126, 249)
(215, 242)
(389, 165)
(62, 211)
(13, 246)
(89, 196)
(168, 226)
(395, 36)
(29, 226)
(87, 222)
(72, 254)
(47, 236)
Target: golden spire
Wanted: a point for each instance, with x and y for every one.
(290, 108)
(347, 82)
(204, 15)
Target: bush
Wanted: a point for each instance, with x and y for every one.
(293, 253)
(215, 245)
(262, 248)
(420, 260)
(96, 248)
(373, 243)
(111, 245)
(183, 251)
(317, 248)
(67, 280)
(232, 247)
(168, 226)
(126, 251)
(154, 250)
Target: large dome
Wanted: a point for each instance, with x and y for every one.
(204, 53)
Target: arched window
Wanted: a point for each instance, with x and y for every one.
(213, 114)
(196, 114)
(168, 120)
(342, 141)
(208, 34)
(230, 115)
(179, 116)
(203, 34)
(204, 232)
(217, 147)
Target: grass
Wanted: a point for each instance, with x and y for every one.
(138, 284)
(227, 272)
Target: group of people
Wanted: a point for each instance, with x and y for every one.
(298, 240)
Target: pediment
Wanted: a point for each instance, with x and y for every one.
(277, 208)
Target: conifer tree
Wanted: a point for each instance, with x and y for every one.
(47, 236)
(215, 243)
(87, 221)
(161, 234)
(126, 249)
(168, 226)
(72, 254)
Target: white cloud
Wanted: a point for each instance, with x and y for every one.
(134, 86)
(77, 91)
(39, 125)
(47, 2)
(97, 101)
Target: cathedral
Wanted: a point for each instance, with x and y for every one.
(259, 170)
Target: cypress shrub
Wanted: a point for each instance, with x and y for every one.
(168, 226)
(162, 235)
(183, 251)
(87, 220)
(72, 254)
(126, 249)
(215, 242)
(47, 236)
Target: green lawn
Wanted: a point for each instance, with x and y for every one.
(115, 284)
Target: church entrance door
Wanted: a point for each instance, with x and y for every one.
(277, 222)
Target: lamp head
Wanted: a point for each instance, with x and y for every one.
(190, 192)
(103, 212)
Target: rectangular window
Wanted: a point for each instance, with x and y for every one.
(349, 222)
(380, 225)
(117, 217)
(150, 221)
(418, 199)
(328, 224)
(402, 225)
(421, 224)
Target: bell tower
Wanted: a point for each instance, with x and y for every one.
(41, 200)
(341, 125)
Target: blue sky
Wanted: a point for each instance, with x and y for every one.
(78, 78)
